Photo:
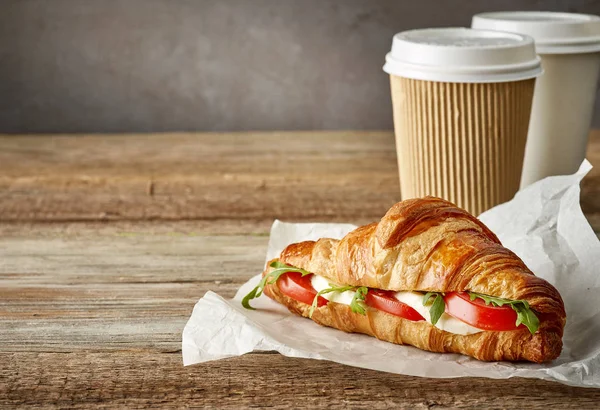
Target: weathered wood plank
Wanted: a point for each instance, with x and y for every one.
(294, 175)
(94, 318)
(114, 291)
(106, 243)
(197, 176)
(141, 379)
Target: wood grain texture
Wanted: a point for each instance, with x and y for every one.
(142, 379)
(189, 176)
(114, 291)
(333, 176)
(93, 317)
(106, 243)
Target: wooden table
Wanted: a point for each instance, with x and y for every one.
(107, 241)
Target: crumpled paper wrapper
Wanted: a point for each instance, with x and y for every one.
(543, 224)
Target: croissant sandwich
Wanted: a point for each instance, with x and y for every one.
(428, 274)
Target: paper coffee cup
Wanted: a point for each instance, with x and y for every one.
(461, 100)
(569, 47)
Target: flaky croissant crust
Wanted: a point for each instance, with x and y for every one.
(428, 244)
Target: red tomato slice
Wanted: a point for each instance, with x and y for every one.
(476, 313)
(299, 288)
(385, 301)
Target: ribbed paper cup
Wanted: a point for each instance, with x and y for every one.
(461, 101)
(464, 142)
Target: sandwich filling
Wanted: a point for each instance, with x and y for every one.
(461, 313)
(413, 299)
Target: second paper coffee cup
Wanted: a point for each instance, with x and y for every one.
(563, 104)
(461, 100)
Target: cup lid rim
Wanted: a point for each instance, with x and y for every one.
(553, 32)
(458, 54)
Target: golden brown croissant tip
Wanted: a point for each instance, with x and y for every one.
(543, 347)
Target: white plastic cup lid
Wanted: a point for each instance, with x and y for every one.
(554, 33)
(462, 55)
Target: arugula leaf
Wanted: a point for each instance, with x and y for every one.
(269, 279)
(438, 306)
(525, 315)
(332, 288)
(357, 304)
(358, 301)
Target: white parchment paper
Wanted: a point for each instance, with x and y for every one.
(543, 224)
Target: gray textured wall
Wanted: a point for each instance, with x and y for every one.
(160, 65)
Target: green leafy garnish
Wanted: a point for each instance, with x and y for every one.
(437, 307)
(269, 279)
(358, 300)
(525, 315)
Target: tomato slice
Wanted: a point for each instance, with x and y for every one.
(385, 301)
(299, 288)
(476, 313)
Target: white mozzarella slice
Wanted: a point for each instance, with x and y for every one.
(320, 283)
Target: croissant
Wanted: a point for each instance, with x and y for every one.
(428, 245)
